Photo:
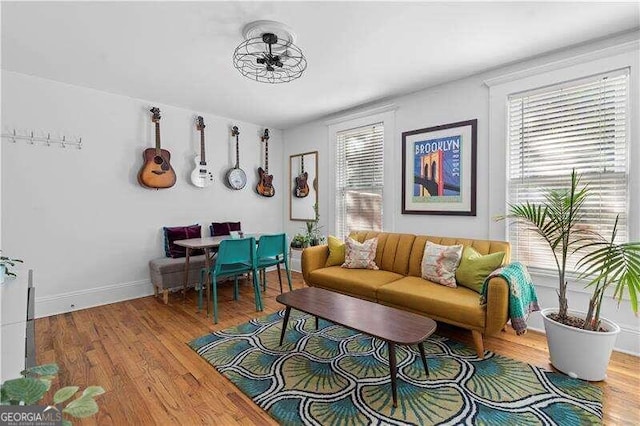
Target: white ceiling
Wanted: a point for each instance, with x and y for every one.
(179, 53)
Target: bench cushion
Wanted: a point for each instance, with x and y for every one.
(168, 272)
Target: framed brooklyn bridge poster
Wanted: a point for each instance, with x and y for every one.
(439, 169)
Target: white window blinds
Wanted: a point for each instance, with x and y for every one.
(582, 125)
(359, 179)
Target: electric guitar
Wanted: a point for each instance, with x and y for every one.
(302, 187)
(265, 185)
(236, 177)
(201, 176)
(156, 172)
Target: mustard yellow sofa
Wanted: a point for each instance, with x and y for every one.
(398, 282)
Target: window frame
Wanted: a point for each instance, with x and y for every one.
(386, 115)
(572, 68)
(546, 264)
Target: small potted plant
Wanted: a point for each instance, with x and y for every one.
(313, 230)
(298, 241)
(5, 267)
(580, 343)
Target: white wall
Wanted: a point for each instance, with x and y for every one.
(81, 219)
(457, 101)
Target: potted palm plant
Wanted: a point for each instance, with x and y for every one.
(580, 343)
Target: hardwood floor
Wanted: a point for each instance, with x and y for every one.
(137, 351)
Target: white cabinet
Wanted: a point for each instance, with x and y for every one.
(13, 332)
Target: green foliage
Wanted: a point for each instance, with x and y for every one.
(36, 382)
(558, 222)
(7, 262)
(313, 236)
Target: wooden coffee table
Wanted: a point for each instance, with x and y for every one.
(392, 325)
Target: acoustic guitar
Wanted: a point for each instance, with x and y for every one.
(156, 172)
(236, 177)
(265, 185)
(201, 175)
(302, 187)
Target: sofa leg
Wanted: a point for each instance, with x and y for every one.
(477, 341)
(155, 290)
(165, 297)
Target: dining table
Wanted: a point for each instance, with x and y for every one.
(209, 245)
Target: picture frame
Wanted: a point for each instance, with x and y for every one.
(439, 169)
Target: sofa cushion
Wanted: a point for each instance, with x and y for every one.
(439, 263)
(358, 282)
(360, 255)
(336, 251)
(460, 306)
(474, 268)
(393, 250)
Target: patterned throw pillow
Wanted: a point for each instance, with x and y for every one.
(439, 263)
(360, 255)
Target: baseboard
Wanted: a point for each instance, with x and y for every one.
(82, 299)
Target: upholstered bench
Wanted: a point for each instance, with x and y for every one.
(167, 273)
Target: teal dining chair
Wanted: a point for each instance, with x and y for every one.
(235, 257)
(273, 251)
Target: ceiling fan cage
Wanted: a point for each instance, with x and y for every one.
(269, 59)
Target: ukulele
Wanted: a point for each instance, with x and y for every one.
(201, 176)
(265, 185)
(156, 172)
(302, 188)
(236, 177)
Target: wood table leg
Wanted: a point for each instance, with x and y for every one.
(316, 323)
(424, 358)
(186, 273)
(392, 370)
(284, 323)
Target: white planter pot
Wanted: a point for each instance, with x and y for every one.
(581, 354)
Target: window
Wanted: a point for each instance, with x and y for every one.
(580, 124)
(359, 179)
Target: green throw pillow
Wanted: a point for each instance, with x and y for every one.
(336, 251)
(474, 267)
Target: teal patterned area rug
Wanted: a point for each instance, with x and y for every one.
(336, 376)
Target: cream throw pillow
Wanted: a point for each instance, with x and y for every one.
(360, 255)
(439, 263)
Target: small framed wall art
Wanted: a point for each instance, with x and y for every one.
(439, 169)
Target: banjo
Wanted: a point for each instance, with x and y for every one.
(236, 177)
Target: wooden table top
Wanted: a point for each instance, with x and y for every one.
(383, 322)
(208, 242)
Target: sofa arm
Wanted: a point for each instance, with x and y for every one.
(497, 310)
(313, 258)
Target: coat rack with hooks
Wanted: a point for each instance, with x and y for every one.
(32, 139)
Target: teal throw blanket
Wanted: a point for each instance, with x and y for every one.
(522, 294)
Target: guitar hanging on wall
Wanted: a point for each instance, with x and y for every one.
(201, 175)
(236, 177)
(156, 172)
(265, 185)
(302, 187)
